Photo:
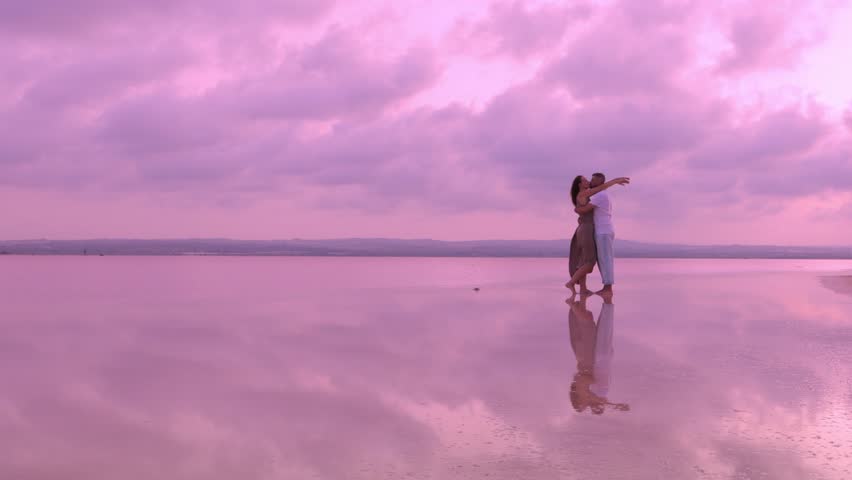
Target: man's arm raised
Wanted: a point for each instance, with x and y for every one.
(600, 188)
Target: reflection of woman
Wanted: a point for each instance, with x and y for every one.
(583, 254)
(592, 345)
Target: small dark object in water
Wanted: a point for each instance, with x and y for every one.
(476, 289)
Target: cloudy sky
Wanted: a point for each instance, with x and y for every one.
(446, 119)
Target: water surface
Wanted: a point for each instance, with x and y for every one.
(374, 368)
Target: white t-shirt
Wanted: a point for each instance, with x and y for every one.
(603, 213)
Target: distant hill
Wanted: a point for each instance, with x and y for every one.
(403, 248)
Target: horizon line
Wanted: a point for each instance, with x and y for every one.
(298, 239)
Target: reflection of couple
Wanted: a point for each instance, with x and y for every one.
(592, 345)
(593, 239)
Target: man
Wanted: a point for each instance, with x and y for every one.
(604, 233)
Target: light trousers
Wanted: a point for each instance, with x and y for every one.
(606, 257)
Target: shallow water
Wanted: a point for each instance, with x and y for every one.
(373, 368)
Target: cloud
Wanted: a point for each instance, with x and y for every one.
(772, 35)
(542, 141)
(154, 124)
(812, 173)
(336, 76)
(762, 141)
(85, 18)
(516, 29)
(629, 51)
(129, 111)
(105, 75)
(305, 101)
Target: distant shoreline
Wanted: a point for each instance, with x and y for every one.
(349, 255)
(383, 247)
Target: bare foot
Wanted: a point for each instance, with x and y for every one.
(571, 285)
(605, 292)
(586, 292)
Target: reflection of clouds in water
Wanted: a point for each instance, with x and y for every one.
(760, 390)
(817, 433)
(471, 430)
(421, 380)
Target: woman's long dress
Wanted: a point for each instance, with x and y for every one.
(583, 249)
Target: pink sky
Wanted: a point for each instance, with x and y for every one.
(456, 120)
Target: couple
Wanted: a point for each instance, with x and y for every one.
(593, 239)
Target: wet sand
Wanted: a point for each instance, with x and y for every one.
(335, 368)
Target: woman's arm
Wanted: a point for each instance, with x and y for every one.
(584, 208)
(600, 188)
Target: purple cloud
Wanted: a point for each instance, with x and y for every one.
(519, 30)
(761, 142)
(83, 17)
(105, 76)
(297, 100)
(161, 124)
(541, 141)
(625, 53)
(335, 76)
(770, 36)
(818, 171)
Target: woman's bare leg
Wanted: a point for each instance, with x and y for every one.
(570, 284)
(579, 274)
(584, 290)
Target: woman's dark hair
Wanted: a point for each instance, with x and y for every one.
(575, 188)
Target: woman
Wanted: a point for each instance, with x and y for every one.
(584, 255)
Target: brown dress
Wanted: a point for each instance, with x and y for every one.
(583, 249)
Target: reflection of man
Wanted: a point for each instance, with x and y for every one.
(603, 349)
(592, 345)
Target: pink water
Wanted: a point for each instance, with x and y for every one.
(373, 368)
